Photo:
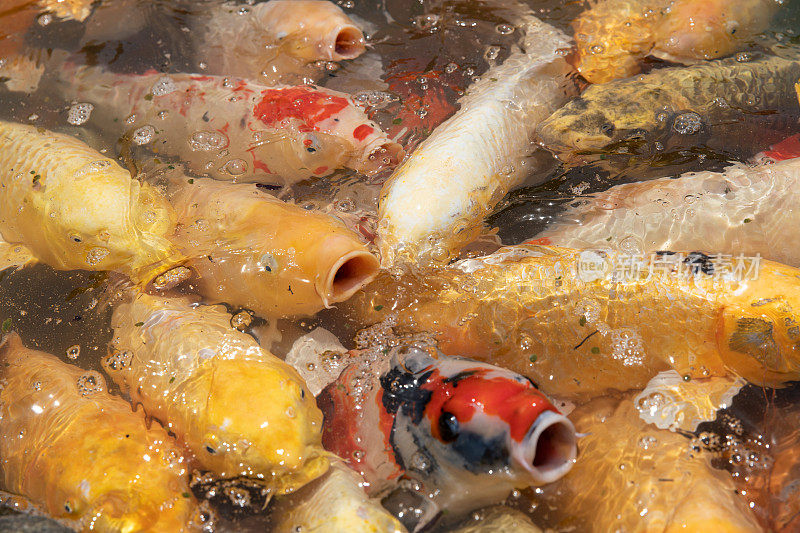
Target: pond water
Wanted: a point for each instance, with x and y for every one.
(420, 58)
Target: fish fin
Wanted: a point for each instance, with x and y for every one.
(10, 343)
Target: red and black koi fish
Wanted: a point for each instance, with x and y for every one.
(466, 432)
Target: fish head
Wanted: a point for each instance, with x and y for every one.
(273, 433)
(602, 117)
(455, 414)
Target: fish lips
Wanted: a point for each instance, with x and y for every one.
(549, 449)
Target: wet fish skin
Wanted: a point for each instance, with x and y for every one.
(632, 476)
(75, 208)
(84, 455)
(648, 106)
(613, 36)
(746, 209)
(252, 250)
(238, 408)
(276, 41)
(436, 200)
(529, 309)
(335, 503)
(233, 129)
(468, 432)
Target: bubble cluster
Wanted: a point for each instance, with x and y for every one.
(79, 113)
(143, 135)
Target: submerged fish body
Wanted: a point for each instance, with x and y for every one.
(276, 40)
(467, 431)
(83, 455)
(232, 129)
(335, 503)
(743, 210)
(633, 477)
(75, 208)
(613, 36)
(674, 101)
(435, 201)
(582, 322)
(238, 408)
(252, 250)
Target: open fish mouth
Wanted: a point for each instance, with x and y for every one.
(549, 451)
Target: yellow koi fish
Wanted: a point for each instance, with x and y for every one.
(580, 323)
(250, 249)
(613, 36)
(238, 408)
(75, 208)
(632, 477)
(83, 455)
(435, 201)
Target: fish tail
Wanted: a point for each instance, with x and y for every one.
(9, 345)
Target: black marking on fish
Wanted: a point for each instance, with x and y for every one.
(458, 377)
(753, 337)
(586, 338)
(448, 427)
(763, 301)
(480, 453)
(402, 392)
(699, 262)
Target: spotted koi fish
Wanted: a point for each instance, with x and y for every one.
(232, 129)
(466, 432)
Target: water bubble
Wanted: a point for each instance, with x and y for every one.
(290, 412)
(647, 442)
(239, 497)
(164, 86)
(79, 113)
(37, 386)
(205, 141)
(597, 49)
(420, 461)
(504, 29)
(241, 320)
(491, 53)
(358, 455)
(143, 135)
(744, 57)
(74, 351)
(235, 167)
(90, 382)
(45, 19)
(94, 166)
(119, 360)
(688, 123)
(95, 255)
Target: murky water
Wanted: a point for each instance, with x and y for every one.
(421, 58)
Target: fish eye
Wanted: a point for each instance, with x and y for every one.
(210, 450)
(448, 427)
(607, 129)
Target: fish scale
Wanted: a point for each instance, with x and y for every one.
(529, 309)
(77, 209)
(721, 92)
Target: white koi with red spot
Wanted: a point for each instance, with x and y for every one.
(232, 129)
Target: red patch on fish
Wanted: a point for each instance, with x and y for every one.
(545, 241)
(361, 132)
(786, 149)
(301, 103)
(320, 170)
(258, 164)
(516, 403)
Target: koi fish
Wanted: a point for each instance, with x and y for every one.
(75, 208)
(613, 36)
(675, 101)
(274, 41)
(743, 210)
(250, 249)
(435, 200)
(238, 408)
(467, 432)
(14, 256)
(83, 455)
(580, 323)
(633, 477)
(335, 503)
(498, 519)
(68, 9)
(231, 129)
